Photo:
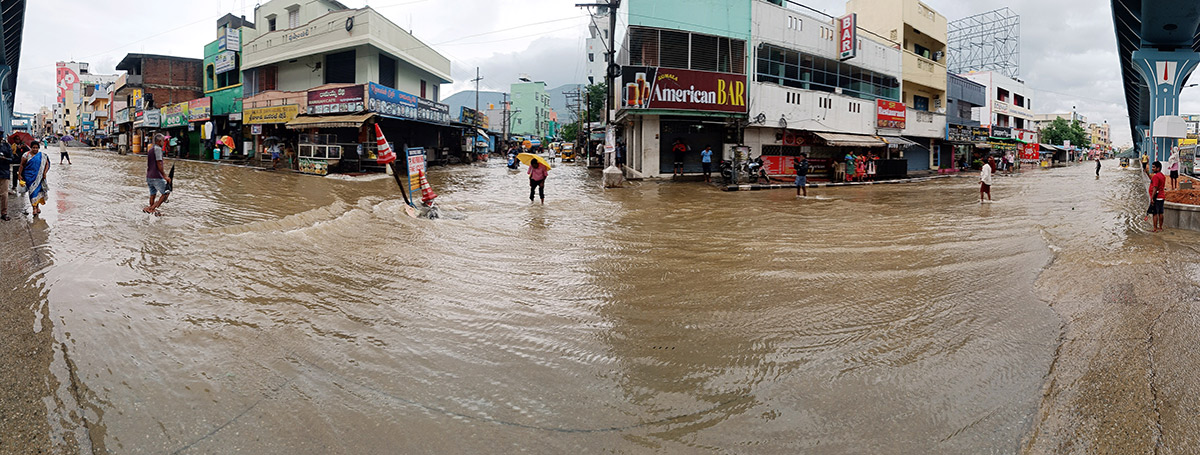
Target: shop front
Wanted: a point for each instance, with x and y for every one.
(410, 121)
(662, 106)
(124, 127)
(266, 127)
(201, 137)
(963, 144)
(175, 123)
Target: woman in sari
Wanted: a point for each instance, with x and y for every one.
(34, 165)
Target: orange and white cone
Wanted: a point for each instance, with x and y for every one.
(427, 194)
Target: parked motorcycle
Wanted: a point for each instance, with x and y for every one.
(755, 169)
(726, 168)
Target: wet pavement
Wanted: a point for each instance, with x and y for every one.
(269, 312)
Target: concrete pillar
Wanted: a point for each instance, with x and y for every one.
(6, 113)
(1164, 73)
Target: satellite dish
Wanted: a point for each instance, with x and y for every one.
(782, 122)
(761, 118)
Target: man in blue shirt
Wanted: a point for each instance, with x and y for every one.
(706, 162)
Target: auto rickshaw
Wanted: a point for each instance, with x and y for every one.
(568, 153)
(1124, 163)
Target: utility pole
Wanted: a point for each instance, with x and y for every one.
(611, 53)
(476, 81)
(505, 119)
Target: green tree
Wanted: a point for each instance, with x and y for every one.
(1060, 130)
(595, 100)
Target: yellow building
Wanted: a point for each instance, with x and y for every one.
(922, 33)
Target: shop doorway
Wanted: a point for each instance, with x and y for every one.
(696, 135)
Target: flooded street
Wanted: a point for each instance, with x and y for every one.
(277, 313)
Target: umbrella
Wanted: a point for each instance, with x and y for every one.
(527, 158)
(272, 138)
(22, 136)
(171, 184)
(228, 141)
(67, 138)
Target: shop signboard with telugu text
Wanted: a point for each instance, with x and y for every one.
(121, 116)
(200, 110)
(336, 100)
(1002, 132)
(890, 114)
(648, 87)
(273, 114)
(979, 134)
(152, 119)
(389, 101)
(174, 115)
(958, 133)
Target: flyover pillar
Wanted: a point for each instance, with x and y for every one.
(1164, 73)
(6, 101)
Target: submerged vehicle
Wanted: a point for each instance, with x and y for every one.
(568, 152)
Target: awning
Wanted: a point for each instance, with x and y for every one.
(481, 132)
(850, 140)
(329, 121)
(1052, 148)
(897, 140)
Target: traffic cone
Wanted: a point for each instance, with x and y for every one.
(427, 194)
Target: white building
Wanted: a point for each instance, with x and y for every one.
(75, 87)
(597, 45)
(798, 102)
(1008, 102)
(301, 44)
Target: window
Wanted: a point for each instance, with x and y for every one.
(1018, 100)
(422, 89)
(293, 18)
(922, 51)
(591, 57)
(920, 103)
(1019, 122)
(794, 23)
(1001, 94)
(340, 67)
(208, 78)
(683, 50)
(809, 72)
(387, 71)
(434, 92)
(271, 23)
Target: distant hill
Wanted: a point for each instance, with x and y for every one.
(558, 101)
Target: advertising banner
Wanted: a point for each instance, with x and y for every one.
(224, 62)
(174, 115)
(890, 114)
(467, 115)
(66, 79)
(121, 116)
(273, 114)
(1029, 152)
(152, 119)
(979, 134)
(847, 36)
(1002, 132)
(1025, 135)
(336, 100)
(958, 133)
(389, 101)
(200, 110)
(416, 166)
(668, 88)
(232, 41)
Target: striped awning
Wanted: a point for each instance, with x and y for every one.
(329, 121)
(850, 140)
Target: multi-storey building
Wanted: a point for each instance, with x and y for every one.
(597, 45)
(151, 81)
(964, 134)
(920, 32)
(530, 115)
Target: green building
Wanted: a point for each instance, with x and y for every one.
(222, 77)
(530, 109)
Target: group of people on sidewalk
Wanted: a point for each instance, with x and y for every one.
(23, 168)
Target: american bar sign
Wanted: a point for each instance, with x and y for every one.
(848, 36)
(670, 88)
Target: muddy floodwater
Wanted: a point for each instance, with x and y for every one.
(275, 313)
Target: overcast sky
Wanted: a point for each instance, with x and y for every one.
(1068, 51)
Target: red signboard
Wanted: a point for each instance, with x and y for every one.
(890, 114)
(670, 88)
(1029, 152)
(847, 36)
(782, 165)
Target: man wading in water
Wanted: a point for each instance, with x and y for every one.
(156, 178)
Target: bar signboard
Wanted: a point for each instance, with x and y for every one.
(336, 100)
(648, 87)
